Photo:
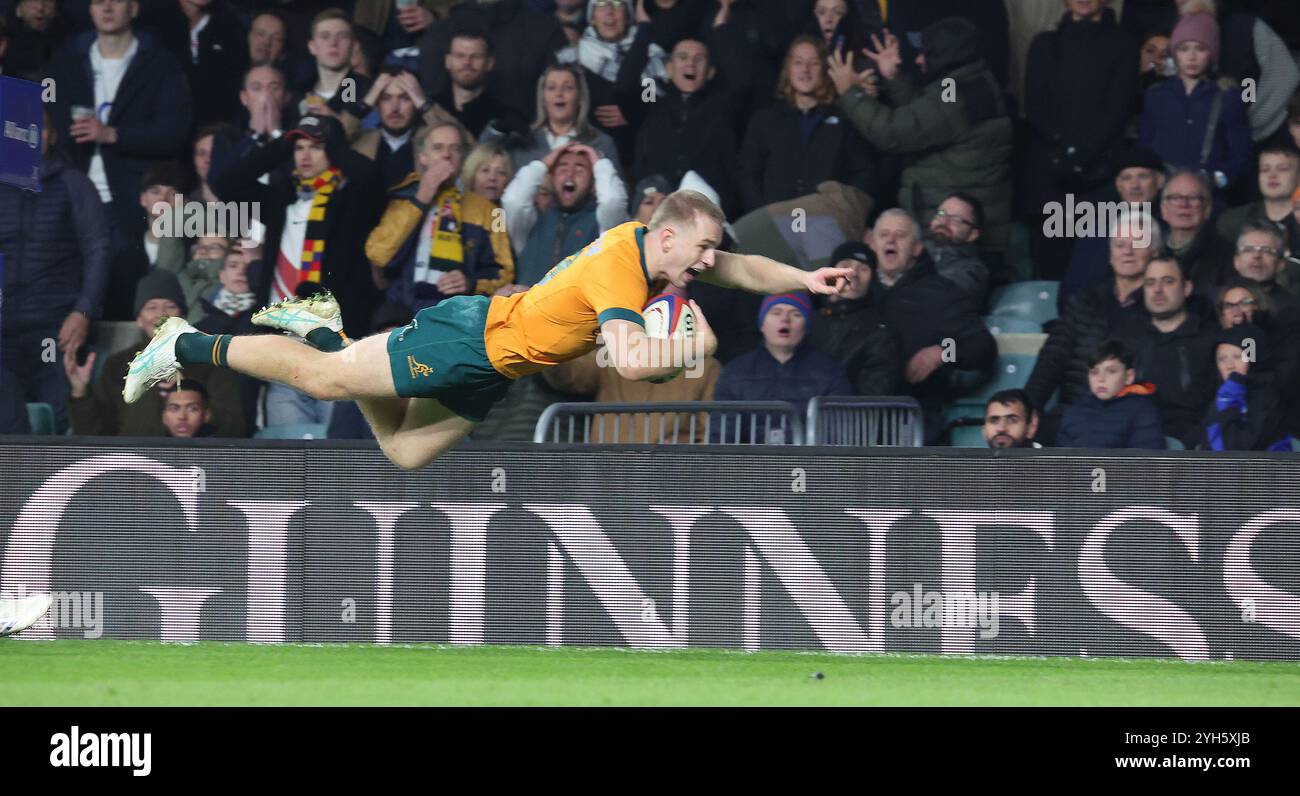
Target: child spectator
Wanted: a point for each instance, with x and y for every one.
(1120, 413)
(1247, 411)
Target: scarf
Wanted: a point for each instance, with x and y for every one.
(233, 303)
(603, 58)
(446, 247)
(321, 187)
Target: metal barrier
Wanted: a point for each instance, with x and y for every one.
(887, 421)
(672, 422)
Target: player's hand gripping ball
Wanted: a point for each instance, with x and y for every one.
(668, 317)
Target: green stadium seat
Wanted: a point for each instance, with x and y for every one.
(293, 431)
(1174, 444)
(41, 418)
(999, 324)
(1011, 371)
(968, 437)
(1030, 301)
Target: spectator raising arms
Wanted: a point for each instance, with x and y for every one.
(435, 240)
(800, 141)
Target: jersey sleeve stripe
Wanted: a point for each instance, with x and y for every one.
(619, 313)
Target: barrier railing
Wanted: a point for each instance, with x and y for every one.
(672, 422)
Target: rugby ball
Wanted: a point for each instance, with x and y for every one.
(668, 317)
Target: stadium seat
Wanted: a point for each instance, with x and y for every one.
(1029, 301)
(41, 419)
(998, 324)
(293, 431)
(1011, 371)
(968, 437)
(1174, 444)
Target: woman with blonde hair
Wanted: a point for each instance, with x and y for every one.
(487, 171)
(563, 107)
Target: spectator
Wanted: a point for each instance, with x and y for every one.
(402, 109)
(961, 146)
(55, 248)
(267, 34)
(524, 40)
(939, 328)
(335, 86)
(1156, 65)
(851, 328)
(747, 41)
(1091, 316)
(689, 128)
(572, 16)
(201, 158)
(135, 112)
(589, 199)
(133, 259)
(186, 412)
(799, 141)
(202, 271)
(487, 172)
(1010, 420)
(1139, 177)
(435, 240)
(1247, 412)
(1261, 249)
(1279, 178)
(99, 408)
(1080, 93)
(562, 108)
(208, 38)
(785, 367)
(227, 307)
(1176, 113)
(1119, 413)
(368, 54)
(470, 61)
(316, 218)
(35, 31)
(616, 56)
(266, 102)
(1293, 121)
(1186, 204)
(839, 26)
(647, 197)
(672, 20)
(954, 231)
(399, 26)
(1240, 301)
(1173, 346)
(347, 422)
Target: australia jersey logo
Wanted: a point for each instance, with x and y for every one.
(417, 368)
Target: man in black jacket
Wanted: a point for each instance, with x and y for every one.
(524, 41)
(55, 248)
(851, 328)
(688, 127)
(1186, 204)
(1174, 347)
(940, 330)
(209, 39)
(137, 111)
(330, 178)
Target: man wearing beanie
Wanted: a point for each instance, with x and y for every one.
(1177, 113)
(785, 367)
(851, 328)
(97, 408)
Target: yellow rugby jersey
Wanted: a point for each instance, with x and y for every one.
(557, 319)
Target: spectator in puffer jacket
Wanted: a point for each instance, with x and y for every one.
(961, 145)
(56, 254)
(1173, 345)
(1247, 411)
(1119, 413)
(1088, 318)
(851, 327)
(785, 367)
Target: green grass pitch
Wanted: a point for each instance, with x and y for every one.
(101, 672)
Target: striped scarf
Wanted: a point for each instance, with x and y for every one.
(321, 187)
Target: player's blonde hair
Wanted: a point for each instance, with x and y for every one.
(679, 208)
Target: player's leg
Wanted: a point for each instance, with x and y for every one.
(417, 434)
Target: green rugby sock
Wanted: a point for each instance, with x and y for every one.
(197, 348)
(327, 340)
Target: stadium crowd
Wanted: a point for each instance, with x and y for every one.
(400, 152)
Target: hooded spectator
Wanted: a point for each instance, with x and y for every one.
(956, 125)
(1247, 412)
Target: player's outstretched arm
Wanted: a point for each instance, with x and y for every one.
(638, 357)
(758, 274)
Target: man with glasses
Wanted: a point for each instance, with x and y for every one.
(1261, 253)
(954, 230)
(1185, 206)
